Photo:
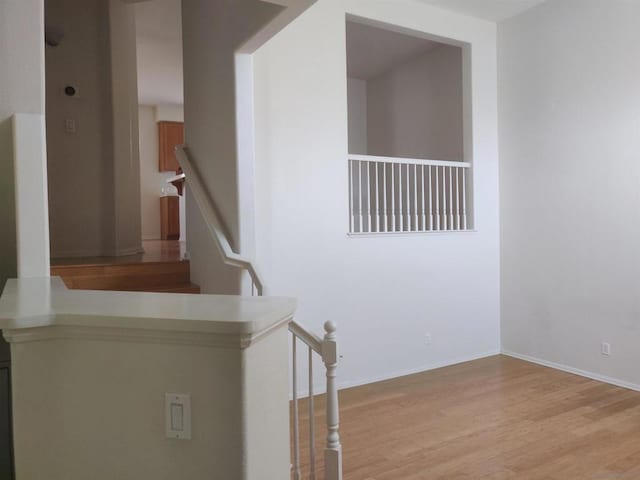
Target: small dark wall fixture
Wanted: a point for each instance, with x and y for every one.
(52, 36)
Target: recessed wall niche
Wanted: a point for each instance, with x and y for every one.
(405, 95)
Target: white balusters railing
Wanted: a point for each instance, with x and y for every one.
(326, 348)
(327, 351)
(398, 195)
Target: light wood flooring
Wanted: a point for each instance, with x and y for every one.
(160, 268)
(155, 251)
(495, 418)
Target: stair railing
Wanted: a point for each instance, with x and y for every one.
(326, 348)
(213, 220)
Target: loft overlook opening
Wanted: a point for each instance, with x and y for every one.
(406, 125)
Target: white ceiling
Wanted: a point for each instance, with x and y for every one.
(372, 51)
(492, 10)
(159, 44)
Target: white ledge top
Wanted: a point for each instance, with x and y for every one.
(46, 302)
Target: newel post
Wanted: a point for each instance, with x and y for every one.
(333, 450)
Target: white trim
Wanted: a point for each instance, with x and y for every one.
(395, 234)
(412, 371)
(124, 252)
(136, 335)
(31, 200)
(410, 161)
(108, 252)
(576, 371)
(77, 253)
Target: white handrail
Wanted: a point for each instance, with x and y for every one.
(214, 221)
(310, 339)
(409, 161)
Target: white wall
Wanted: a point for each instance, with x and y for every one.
(159, 46)
(214, 30)
(385, 292)
(21, 91)
(152, 181)
(169, 113)
(415, 110)
(357, 113)
(569, 172)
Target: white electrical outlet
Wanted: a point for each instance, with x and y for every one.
(427, 338)
(605, 348)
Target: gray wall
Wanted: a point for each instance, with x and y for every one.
(357, 113)
(569, 72)
(414, 110)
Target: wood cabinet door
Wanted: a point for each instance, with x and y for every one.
(170, 218)
(170, 134)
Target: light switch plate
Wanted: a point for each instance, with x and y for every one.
(177, 407)
(70, 125)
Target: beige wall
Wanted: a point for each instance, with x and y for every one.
(93, 173)
(109, 399)
(80, 173)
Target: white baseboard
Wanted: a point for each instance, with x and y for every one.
(576, 371)
(76, 253)
(123, 252)
(97, 253)
(412, 371)
(320, 389)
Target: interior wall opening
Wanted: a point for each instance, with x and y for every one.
(406, 129)
(405, 95)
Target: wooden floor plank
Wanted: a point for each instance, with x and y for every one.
(497, 418)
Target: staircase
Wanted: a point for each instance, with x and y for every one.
(165, 276)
